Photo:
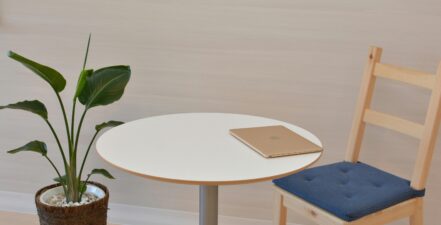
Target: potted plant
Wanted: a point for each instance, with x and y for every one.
(74, 199)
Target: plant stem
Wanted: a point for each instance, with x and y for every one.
(66, 165)
(72, 124)
(85, 156)
(79, 129)
(59, 145)
(65, 120)
(77, 185)
(75, 98)
(58, 173)
(71, 175)
(72, 158)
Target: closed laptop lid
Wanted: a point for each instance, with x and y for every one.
(275, 141)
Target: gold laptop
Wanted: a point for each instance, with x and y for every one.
(275, 141)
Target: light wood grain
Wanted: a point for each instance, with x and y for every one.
(301, 207)
(364, 102)
(10, 218)
(430, 134)
(393, 213)
(394, 123)
(418, 217)
(406, 75)
(13, 218)
(280, 210)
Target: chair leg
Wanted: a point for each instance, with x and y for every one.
(417, 217)
(280, 211)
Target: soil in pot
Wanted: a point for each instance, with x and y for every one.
(60, 200)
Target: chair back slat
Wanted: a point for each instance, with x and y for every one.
(426, 133)
(406, 75)
(394, 123)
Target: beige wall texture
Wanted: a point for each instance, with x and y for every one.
(295, 60)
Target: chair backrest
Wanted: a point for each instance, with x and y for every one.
(426, 133)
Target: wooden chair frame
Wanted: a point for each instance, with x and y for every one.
(426, 133)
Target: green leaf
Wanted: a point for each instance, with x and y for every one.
(33, 146)
(105, 86)
(53, 77)
(62, 180)
(34, 106)
(87, 51)
(111, 123)
(102, 172)
(82, 82)
(83, 187)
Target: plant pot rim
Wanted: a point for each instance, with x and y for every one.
(99, 201)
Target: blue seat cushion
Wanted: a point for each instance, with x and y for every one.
(349, 190)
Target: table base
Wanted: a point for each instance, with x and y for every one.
(208, 205)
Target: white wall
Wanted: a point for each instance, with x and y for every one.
(299, 61)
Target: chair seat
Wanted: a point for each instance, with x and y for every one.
(348, 190)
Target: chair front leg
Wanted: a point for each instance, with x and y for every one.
(280, 211)
(417, 217)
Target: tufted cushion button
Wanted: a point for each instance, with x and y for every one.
(309, 178)
(378, 185)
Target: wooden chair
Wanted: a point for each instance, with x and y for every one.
(335, 198)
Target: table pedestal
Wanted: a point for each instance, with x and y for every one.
(208, 205)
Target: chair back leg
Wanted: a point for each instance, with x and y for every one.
(280, 211)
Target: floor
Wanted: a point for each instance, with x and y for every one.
(11, 218)
(7, 218)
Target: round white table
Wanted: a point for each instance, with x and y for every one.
(197, 148)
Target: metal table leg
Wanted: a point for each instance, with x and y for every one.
(208, 205)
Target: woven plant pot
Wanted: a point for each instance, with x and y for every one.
(94, 213)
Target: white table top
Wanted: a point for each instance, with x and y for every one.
(197, 148)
